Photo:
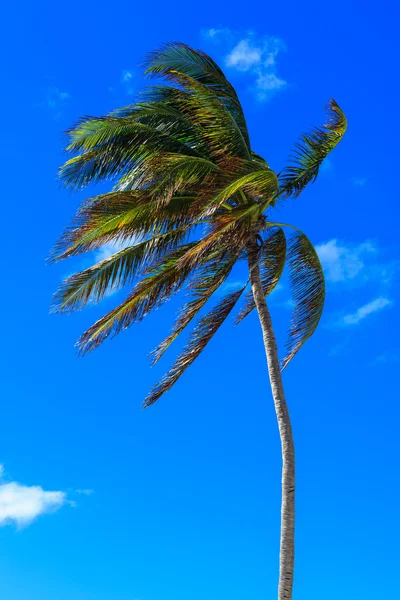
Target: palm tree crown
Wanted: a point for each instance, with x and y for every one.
(190, 198)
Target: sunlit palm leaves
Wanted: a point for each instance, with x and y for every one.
(311, 150)
(166, 278)
(188, 200)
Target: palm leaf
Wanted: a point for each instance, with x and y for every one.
(92, 284)
(311, 150)
(308, 293)
(118, 217)
(227, 230)
(255, 182)
(179, 173)
(109, 147)
(272, 261)
(166, 279)
(199, 338)
(205, 284)
(216, 124)
(178, 57)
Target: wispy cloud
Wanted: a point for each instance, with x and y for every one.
(22, 504)
(111, 248)
(85, 492)
(343, 261)
(125, 84)
(128, 81)
(357, 264)
(232, 286)
(105, 252)
(251, 54)
(367, 309)
(126, 76)
(350, 268)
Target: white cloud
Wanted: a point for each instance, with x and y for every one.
(21, 504)
(269, 82)
(251, 54)
(366, 310)
(105, 252)
(215, 31)
(111, 248)
(243, 56)
(342, 262)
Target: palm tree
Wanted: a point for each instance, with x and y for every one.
(191, 199)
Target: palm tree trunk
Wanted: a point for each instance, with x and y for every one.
(286, 563)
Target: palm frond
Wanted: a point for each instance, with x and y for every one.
(311, 150)
(199, 338)
(177, 57)
(166, 279)
(272, 262)
(109, 147)
(112, 273)
(308, 293)
(228, 230)
(179, 173)
(259, 159)
(118, 217)
(211, 276)
(256, 182)
(216, 125)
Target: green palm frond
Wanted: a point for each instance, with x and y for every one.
(110, 146)
(180, 58)
(165, 279)
(255, 183)
(167, 116)
(179, 173)
(118, 217)
(259, 159)
(216, 125)
(308, 293)
(211, 277)
(272, 263)
(311, 150)
(112, 273)
(199, 338)
(228, 230)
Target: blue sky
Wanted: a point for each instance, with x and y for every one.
(101, 500)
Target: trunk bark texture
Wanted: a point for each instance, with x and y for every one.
(286, 563)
